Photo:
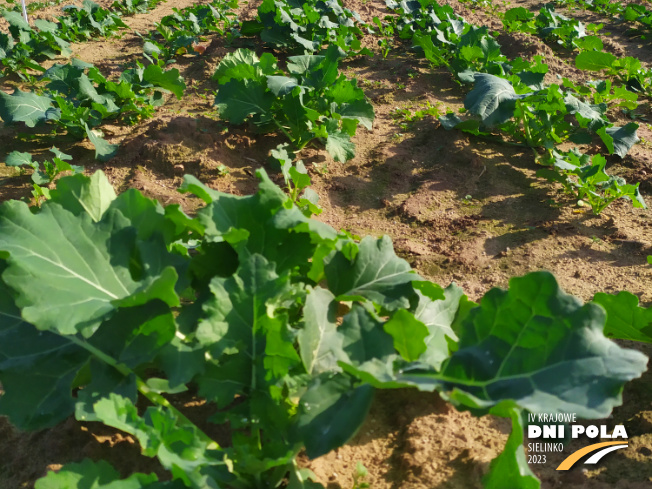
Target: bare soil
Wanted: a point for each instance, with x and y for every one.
(458, 209)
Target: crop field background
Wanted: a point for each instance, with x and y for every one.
(474, 209)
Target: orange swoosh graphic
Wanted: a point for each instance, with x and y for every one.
(575, 456)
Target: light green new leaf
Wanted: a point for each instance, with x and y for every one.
(510, 469)
(376, 273)
(103, 150)
(26, 107)
(98, 475)
(408, 334)
(79, 193)
(320, 344)
(178, 444)
(626, 320)
(438, 317)
(16, 158)
(594, 60)
(169, 80)
(66, 270)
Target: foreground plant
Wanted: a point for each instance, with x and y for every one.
(283, 324)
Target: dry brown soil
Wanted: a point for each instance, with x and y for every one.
(411, 184)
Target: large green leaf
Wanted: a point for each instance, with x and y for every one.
(626, 320)
(70, 273)
(331, 411)
(375, 273)
(169, 80)
(26, 107)
(619, 140)
(320, 343)
(594, 60)
(539, 347)
(492, 98)
(363, 336)
(238, 99)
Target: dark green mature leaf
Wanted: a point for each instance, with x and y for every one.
(626, 320)
(103, 150)
(619, 140)
(238, 99)
(331, 411)
(492, 98)
(67, 274)
(376, 274)
(26, 107)
(521, 344)
(363, 336)
(320, 343)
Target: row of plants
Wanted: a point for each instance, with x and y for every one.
(183, 31)
(572, 34)
(113, 306)
(510, 96)
(23, 47)
(77, 99)
(632, 12)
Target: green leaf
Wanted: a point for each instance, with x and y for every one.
(363, 336)
(178, 444)
(376, 273)
(438, 317)
(340, 146)
(408, 334)
(623, 138)
(103, 150)
(16, 158)
(81, 194)
(320, 343)
(594, 60)
(169, 80)
(492, 98)
(68, 272)
(510, 468)
(331, 411)
(626, 320)
(97, 475)
(281, 85)
(238, 99)
(538, 347)
(26, 107)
